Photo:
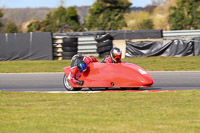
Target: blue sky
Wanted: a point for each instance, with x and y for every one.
(55, 3)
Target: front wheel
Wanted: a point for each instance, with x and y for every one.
(67, 85)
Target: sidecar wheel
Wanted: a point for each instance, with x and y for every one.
(90, 89)
(67, 85)
(130, 88)
(136, 88)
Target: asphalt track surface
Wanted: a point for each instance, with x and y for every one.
(53, 81)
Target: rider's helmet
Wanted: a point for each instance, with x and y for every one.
(82, 66)
(116, 54)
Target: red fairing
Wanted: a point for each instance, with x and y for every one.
(113, 75)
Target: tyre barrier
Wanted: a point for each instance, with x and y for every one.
(107, 36)
(103, 55)
(104, 49)
(104, 45)
(69, 47)
(68, 55)
(70, 39)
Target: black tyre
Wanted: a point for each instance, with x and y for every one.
(90, 89)
(130, 88)
(68, 54)
(104, 49)
(106, 88)
(67, 85)
(135, 88)
(66, 58)
(70, 39)
(103, 38)
(69, 49)
(70, 44)
(102, 44)
(104, 54)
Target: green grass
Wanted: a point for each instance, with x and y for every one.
(32, 66)
(111, 112)
(148, 63)
(167, 63)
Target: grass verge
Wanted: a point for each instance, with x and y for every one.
(148, 63)
(100, 112)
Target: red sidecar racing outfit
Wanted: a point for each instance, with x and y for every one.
(74, 74)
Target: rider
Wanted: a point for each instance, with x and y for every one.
(114, 57)
(79, 64)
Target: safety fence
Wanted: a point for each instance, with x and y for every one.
(26, 46)
(98, 43)
(57, 46)
(89, 44)
(176, 48)
(181, 34)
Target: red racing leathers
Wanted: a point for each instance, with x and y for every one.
(108, 59)
(74, 74)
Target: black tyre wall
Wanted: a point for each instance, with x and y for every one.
(104, 49)
(70, 44)
(104, 54)
(103, 44)
(69, 47)
(70, 39)
(103, 38)
(68, 55)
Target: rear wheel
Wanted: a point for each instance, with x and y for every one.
(67, 85)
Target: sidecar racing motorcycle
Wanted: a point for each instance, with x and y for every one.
(103, 75)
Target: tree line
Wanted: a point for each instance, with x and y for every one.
(116, 15)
